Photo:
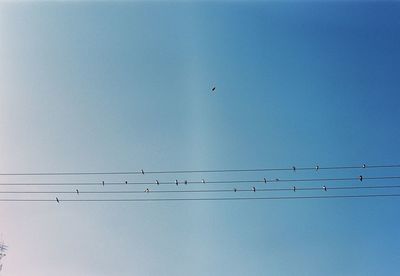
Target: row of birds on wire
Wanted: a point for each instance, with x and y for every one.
(252, 188)
(293, 168)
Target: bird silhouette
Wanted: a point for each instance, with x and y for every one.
(234, 189)
(157, 182)
(361, 178)
(176, 182)
(294, 188)
(103, 183)
(203, 181)
(142, 171)
(186, 182)
(265, 180)
(58, 201)
(213, 89)
(77, 191)
(254, 189)
(324, 187)
(126, 182)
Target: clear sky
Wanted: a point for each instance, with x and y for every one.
(124, 86)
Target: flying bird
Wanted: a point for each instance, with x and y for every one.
(58, 201)
(157, 182)
(126, 182)
(213, 89)
(147, 190)
(324, 187)
(265, 180)
(176, 182)
(361, 178)
(185, 181)
(77, 191)
(254, 189)
(103, 183)
(294, 188)
(203, 181)
(234, 189)
(294, 168)
(142, 171)
(364, 166)
(317, 167)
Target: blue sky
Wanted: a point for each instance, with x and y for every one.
(123, 86)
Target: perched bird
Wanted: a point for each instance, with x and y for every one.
(361, 178)
(265, 180)
(324, 187)
(58, 201)
(254, 189)
(176, 182)
(157, 182)
(77, 191)
(294, 188)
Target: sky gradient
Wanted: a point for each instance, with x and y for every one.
(117, 86)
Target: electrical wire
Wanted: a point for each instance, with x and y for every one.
(293, 168)
(207, 190)
(123, 183)
(203, 199)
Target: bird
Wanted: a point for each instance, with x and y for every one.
(213, 89)
(203, 181)
(294, 188)
(157, 182)
(324, 187)
(142, 171)
(234, 189)
(317, 167)
(364, 166)
(361, 178)
(294, 168)
(126, 182)
(276, 179)
(58, 201)
(254, 189)
(147, 190)
(103, 183)
(176, 182)
(77, 191)
(265, 180)
(186, 182)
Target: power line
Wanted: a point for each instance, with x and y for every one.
(207, 190)
(293, 168)
(185, 182)
(204, 199)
